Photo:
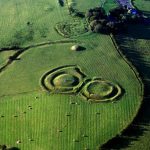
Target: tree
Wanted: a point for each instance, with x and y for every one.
(61, 2)
(93, 24)
(103, 22)
(111, 27)
(115, 12)
(116, 21)
(92, 18)
(97, 12)
(98, 28)
(88, 14)
(79, 14)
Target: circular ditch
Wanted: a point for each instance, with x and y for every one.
(67, 79)
(100, 90)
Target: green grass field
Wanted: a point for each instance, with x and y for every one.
(83, 6)
(136, 46)
(59, 117)
(4, 56)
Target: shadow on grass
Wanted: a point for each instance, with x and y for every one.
(139, 55)
(13, 148)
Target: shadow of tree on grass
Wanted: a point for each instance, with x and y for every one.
(139, 56)
(13, 148)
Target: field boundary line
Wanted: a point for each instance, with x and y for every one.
(128, 62)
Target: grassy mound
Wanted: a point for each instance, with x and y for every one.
(100, 90)
(67, 79)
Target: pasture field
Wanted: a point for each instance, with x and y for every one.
(136, 46)
(52, 97)
(4, 56)
(142, 5)
(82, 6)
(26, 22)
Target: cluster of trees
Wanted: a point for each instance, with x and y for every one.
(125, 15)
(115, 21)
(97, 19)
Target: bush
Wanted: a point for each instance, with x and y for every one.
(93, 24)
(79, 14)
(88, 14)
(97, 12)
(92, 18)
(61, 2)
(103, 22)
(117, 11)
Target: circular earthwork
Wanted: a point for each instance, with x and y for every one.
(98, 90)
(66, 79)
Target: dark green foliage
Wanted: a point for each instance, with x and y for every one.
(93, 24)
(103, 22)
(28, 23)
(97, 19)
(61, 2)
(88, 14)
(75, 12)
(92, 18)
(79, 14)
(98, 28)
(97, 12)
(115, 22)
(115, 12)
(71, 10)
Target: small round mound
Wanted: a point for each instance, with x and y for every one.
(65, 80)
(75, 47)
(99, 90)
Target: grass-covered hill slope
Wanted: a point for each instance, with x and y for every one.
(52, 97)
(136, 46)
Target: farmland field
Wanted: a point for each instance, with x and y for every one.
(78, 4)
(136, 46)
(56, 98)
